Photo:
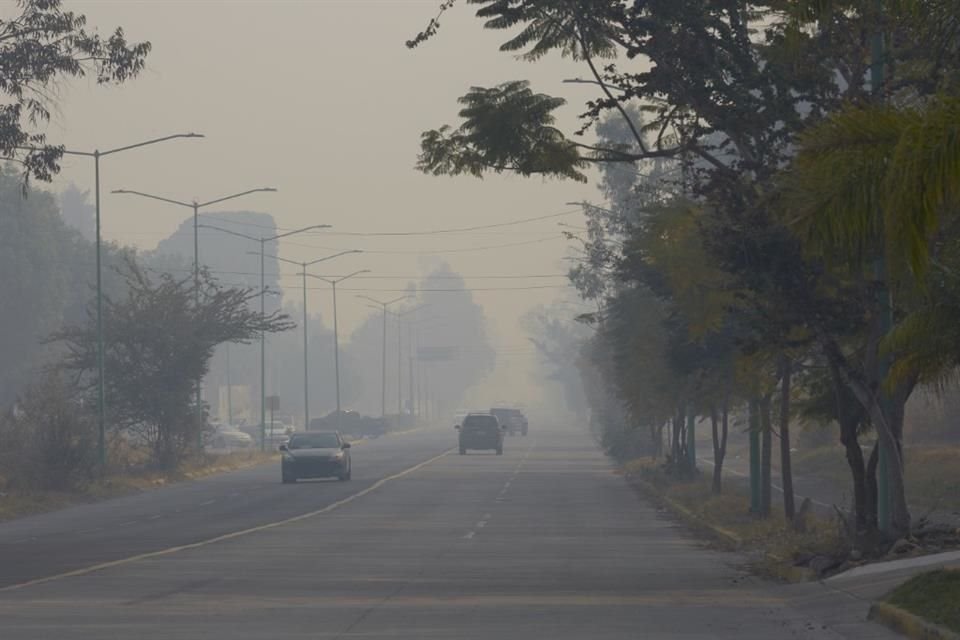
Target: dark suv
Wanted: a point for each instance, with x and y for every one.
(512, 420)
(481, 431)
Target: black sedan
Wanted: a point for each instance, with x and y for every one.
(315, 454)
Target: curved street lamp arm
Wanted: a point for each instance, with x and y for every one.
(154, 141)
(337, 280)
(236, 195)
(378, 302)
(267, 255)
(290, 233)
(153, 197)
(336, 255)
(232, 233)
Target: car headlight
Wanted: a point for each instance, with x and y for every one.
(288, 457)
(337, 456)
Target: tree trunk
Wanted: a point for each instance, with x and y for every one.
(766, 453)
(754, 455)
(724, 424)
(786, 472)
(676, 452)
(870, 487)
(717, 455)
(888, 431)
(849, 419)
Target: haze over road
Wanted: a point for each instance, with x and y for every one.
(542, 542)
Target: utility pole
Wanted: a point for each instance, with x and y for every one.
(229, 389)
(383, 358)
(96, 154)
(886, 307)
(306, 365)
(263, 313)
(754, 426)
(400, 316)
(336, 333)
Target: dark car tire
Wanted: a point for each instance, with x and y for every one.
(463, 451)
(287, 478)
(500, 451)
(346, 476)
(524, 434)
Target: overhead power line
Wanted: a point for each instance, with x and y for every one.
(427, 232)
(435, 251)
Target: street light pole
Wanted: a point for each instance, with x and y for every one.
(263, 334)
(383, 359)
(195, 206)
(336, 337)
(96, 154)
(400, 315)
(306, 367)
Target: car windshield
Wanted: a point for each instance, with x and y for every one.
(479, 422)
(314, 441)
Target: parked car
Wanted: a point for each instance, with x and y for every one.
(480, 431)
(276, 433)
(514, 421)
(315, 454)
(226, 436)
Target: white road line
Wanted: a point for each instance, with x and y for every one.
(227, 536)
(470, 535)
(127, 523)
(481, 524)
(86, 531)
(203, 504)
(156, 517)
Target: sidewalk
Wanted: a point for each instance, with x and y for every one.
(843, 601)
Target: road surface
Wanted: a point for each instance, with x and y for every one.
(545, 541)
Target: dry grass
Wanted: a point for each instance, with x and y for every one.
(933, 477)
(932, 473)
(778, 543)
(15, 504)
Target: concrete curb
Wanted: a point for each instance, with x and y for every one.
(689, 517)
(908, 624)
(729, 538)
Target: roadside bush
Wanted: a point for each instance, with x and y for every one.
(48, 441)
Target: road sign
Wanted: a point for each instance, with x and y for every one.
(273, 403)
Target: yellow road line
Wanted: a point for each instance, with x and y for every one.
(227, 536)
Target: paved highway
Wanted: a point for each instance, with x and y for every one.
(542, 542)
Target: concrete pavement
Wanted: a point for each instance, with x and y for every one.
(188, 512)
(542, 542)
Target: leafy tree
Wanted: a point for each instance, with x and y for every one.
(39, 47)
(558, 341)
(48, 271)
(727, 87)
(161, 342)
(77, 211)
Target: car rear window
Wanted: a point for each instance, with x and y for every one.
(480, 422)
(314, 441)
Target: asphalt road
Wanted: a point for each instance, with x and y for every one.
(542, 542)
